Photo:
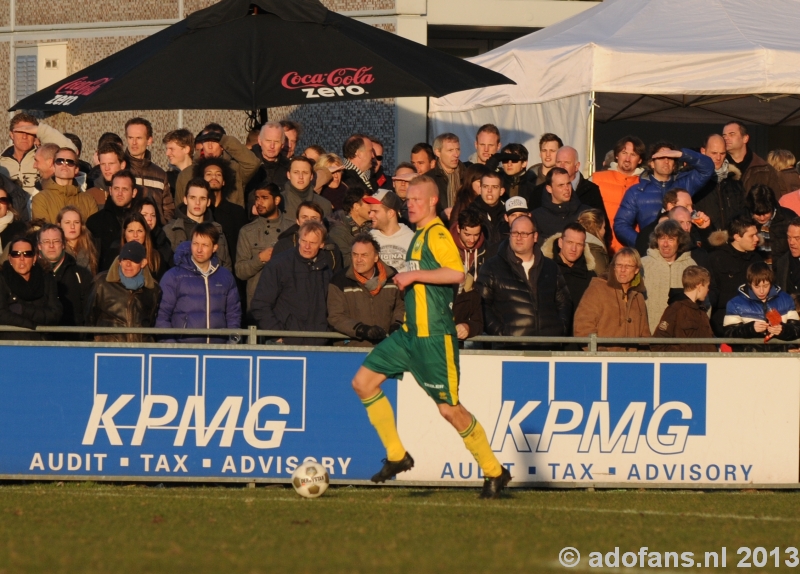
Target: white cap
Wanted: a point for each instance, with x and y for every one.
(516, 203)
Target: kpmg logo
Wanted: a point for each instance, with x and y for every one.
(337, 82)
(197, 398)
(613, 407)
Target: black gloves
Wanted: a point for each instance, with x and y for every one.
(370, 332)
(395, 326)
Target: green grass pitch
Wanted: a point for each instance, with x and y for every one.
(112, 528)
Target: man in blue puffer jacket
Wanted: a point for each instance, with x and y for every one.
(199, 293)
(746, 315)
(642, 201)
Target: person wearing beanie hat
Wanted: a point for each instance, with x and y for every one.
(126, 295)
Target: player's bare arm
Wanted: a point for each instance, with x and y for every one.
(441, 276)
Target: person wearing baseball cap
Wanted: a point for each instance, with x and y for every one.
(125, 296)
(393, 237)
(515, 207)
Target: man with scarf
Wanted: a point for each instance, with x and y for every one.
(363, 301)
(358, 155)
(28, 294)
(74, 282)
(125, 296)
(722, 197)
(300, 187)
(470, 238)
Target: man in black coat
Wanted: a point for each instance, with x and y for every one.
(28, 294)
(728, 266)
(576, 263)
(74, 282)
(358, 156)
(274, 165)
(523, 292)
(560, 205)
(491, 209)
(106, 224)
(586, 191)
(722, 198)
(291, 294)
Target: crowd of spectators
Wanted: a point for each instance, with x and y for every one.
(285, 235)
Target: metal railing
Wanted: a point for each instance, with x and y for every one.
(251, 334)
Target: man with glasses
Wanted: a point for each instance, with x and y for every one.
(28, 294)
(74, 282)
(61, 190)
(615, 306)
(523, 292)
(18, 159)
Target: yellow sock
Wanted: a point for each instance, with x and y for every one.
(476, 442)
(381, 415)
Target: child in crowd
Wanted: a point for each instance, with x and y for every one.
(686, 317)
(761, 310)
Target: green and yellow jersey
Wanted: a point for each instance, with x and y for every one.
(429, 308)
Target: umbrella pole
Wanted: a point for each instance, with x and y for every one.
(590, 159)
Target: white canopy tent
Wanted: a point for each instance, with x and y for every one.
(702, 61)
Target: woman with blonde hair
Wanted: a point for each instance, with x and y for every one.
(595, 225)
(784, 163)
(135, 228)
(334, 189)
(80, 243)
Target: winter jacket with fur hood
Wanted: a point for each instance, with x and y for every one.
(578, 275)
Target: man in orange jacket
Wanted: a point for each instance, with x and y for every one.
(621, 174)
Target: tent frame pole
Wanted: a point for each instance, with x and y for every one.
(590, 151)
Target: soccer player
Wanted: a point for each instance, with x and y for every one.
(429, 331)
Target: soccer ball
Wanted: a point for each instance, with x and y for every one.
(310, 479)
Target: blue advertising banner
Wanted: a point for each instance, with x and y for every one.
(166, 414)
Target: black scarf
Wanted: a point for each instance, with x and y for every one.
(30, 290)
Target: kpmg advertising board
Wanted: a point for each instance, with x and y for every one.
(196, 413)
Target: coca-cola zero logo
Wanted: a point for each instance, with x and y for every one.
(337, 82)
(69, 92)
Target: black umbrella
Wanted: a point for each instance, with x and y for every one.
(254, 54)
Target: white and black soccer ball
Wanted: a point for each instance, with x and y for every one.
(310, 479)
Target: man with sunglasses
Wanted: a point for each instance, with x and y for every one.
(62, 190)
(17, 159)
(28, 294)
